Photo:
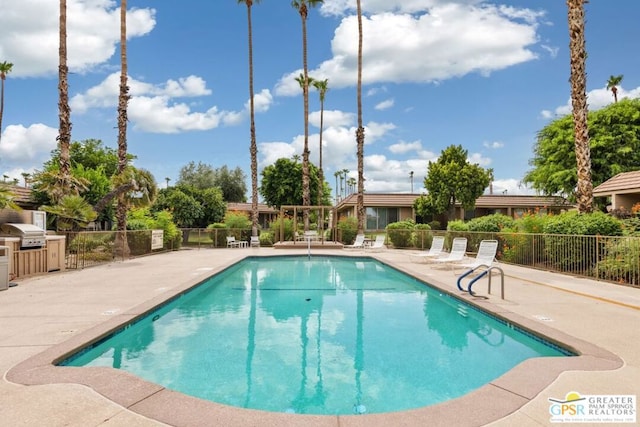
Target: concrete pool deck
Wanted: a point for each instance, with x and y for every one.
(48, 316)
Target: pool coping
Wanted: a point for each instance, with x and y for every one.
(497, 399)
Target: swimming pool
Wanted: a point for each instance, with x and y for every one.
(326, 335)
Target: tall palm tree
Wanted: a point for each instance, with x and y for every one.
(5, 68)
(322, 86)
(123, 100)
(578, 54)
(336, 174)
(612, 84)
(360, 131)
(253, 148)
(302, 7)
(64, 112)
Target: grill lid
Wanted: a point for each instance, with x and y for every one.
(22, 230)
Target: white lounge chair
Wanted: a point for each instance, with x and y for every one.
(486, 255)
(357, 244)
(233, 243)
(255, 241)
(436, 250)
(457, 254)
(378, 244)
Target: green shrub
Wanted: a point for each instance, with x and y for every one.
(401, 233)
(621, 260)
(219, 233)
(531, 222)
(276, 232)
(347, 230)
(490, 223)
(239, 225)
(422, 236)
(631, 226)
(266, 238)
(457, 225)
(569, 253)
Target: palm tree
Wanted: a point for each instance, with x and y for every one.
(26, 176)
(72, 213)
(343, 179)
(5, 68)
(253, 148)
(6, 198)
(336, 174)
(123, 99)
(360, 131)
(612, 84)
(322, 87)
(136, 187)
(577, 50)
(302, 7)
(64, 112)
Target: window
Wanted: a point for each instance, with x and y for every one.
(379, 218)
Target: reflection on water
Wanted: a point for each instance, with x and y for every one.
(321, 336)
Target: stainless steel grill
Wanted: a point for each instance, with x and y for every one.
(31, 236)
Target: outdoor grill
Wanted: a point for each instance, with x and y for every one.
(31, 236)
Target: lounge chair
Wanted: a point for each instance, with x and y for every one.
(255, 241)
(233, 243)
(457, 254)
(357, 244)
(435, 251)
(486, 255)
(378, 244)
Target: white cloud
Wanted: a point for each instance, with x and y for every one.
(477, 158)
(596, 99)
(332, 118)
(405, 147)
(152, 108)
(384, 105)
(93, 33)
(454, 38)
(27, 144)
(511, 186)
(494, 144)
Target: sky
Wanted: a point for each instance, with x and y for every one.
(486, 75)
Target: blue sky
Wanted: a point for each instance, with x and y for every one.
(483, 74)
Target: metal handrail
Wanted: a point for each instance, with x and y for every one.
(480, 276)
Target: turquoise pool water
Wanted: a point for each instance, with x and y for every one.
(325, 335)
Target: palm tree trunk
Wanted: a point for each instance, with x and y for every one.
(305, 95)
(360, 131)
(64, 115)
(253, 149)
(578, 54)
(123, 99)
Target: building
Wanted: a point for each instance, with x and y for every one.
(622, 191)
(385, 208)
(266, 214)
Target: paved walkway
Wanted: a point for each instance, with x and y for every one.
(50, 314)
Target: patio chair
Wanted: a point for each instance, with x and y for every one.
(357, 244)
(378, 244)
(255, 241)
(232, 242)
(457, 254)
(486, 256)
(436, 250)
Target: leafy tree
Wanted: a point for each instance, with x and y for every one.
(186, 210)
(72, 212)
(614, 137)
(5, 68)
(198, 175)
(612, 85)
(282, 184)
(231, 183)
(578, 80)
(452, 179)
(6, 198)
(190, 206)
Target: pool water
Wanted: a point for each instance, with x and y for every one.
(319, 335)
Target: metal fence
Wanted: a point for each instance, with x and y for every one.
(610, 258)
